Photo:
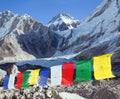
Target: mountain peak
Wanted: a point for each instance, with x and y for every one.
(26, 16)
(7, 13)
(64, 15)
(63, 22)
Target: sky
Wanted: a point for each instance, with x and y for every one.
(44, 10)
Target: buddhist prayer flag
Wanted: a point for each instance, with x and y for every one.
(11, 81)
(34, 76)
(56, 75)
(5, 82)
(19, 80)
(83, 70)
(26, 76)
(102, 67)
(67, 73)
(44, 74)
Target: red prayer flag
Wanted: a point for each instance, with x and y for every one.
(67, 73)
(19, 80)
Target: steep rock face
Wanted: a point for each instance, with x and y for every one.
(63, 22)
(99, 33)
(23, 38)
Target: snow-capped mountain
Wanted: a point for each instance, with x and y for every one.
(22, 38)
(63, 22)
(99, 33)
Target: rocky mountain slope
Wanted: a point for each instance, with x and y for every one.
(98, 34)
(22, 38)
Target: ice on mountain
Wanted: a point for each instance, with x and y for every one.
(5, 30)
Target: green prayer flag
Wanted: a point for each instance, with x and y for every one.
(26, 76)
(83, 70)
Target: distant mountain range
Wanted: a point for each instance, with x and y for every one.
(23, 38)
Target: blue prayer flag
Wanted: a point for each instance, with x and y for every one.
(44, 73)
(5, 82)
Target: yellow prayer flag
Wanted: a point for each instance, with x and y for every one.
(34, 77)
(102, 67)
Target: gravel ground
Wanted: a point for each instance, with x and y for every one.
(102, 89)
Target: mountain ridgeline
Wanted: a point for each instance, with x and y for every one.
(23, 38)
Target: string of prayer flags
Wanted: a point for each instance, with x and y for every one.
(44, 74)
(83, 70)
(56, 74)
(34, 77)
(102, 67)
(26, 76)
(5, 82)
(19, 80)
(11, 81)
(67, 73)
(63, 74)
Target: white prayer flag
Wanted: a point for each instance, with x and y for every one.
(56, 75)
(11, 81)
